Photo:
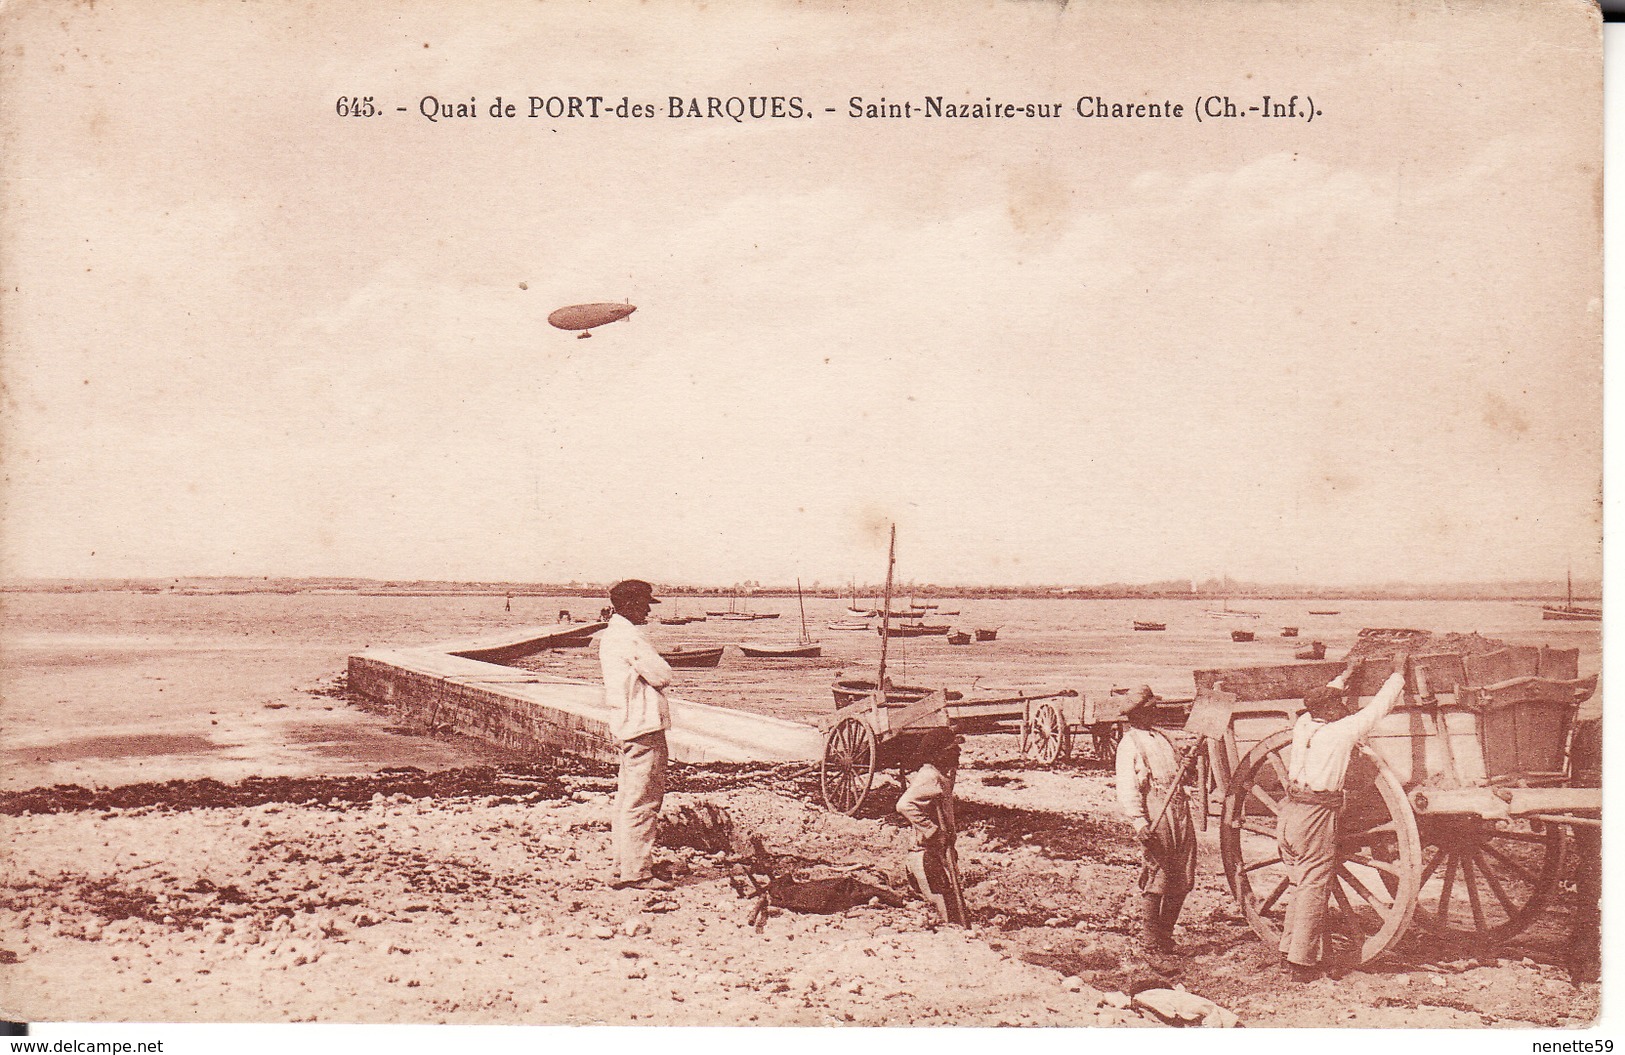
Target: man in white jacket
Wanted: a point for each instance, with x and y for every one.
(634, 677)
(1323, 740)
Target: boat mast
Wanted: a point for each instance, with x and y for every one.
(1570, 605)
(885, 616)
(804, 638)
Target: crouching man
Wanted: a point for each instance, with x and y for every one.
(927, 803)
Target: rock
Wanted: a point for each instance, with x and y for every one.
(1055, 921)
(604, 933)
(634, 927)
(1115, 999)
(1072, 984)
(1177, 1007)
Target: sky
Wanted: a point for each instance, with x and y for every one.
(244, 335)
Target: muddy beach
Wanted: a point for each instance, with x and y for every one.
(420, 880)
(480, 896)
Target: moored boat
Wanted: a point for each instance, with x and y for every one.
(1142, 625)
(1241, 635)
(1569, 611)
(1316, 650)
(987, 635)
(959, 637)
(1324, 611)
(692, 657)
(1289, 631)
(811, 650)
(848, 691)
(850, 624)
(805, 648)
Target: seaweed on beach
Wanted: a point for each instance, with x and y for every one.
(516, 783)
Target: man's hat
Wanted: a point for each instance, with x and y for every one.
(1324, 698)
(1144, 705)
(629, 590)
(936, 740)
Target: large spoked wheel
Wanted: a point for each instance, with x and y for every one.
(847, 771)
(1374, 886)
(1051, 740)
(1484, 881)
(1105, 740)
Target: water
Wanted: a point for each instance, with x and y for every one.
(82, 671)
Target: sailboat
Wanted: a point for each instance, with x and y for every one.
(1224, 611)
(806, 648)
(738, 611)
(854, 611)
(1568, 610)
(848, 691)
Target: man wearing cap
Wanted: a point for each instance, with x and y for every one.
(1151, 797)
(634, 677)
(927, 803)
(1317, 762)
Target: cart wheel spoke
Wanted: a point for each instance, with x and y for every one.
(1449, 887)
(1508, 905)
(1432, 865)
(1274, 896)
(1269, 803)
(1510, 865)
(1368, 836)
(1359, 888)
(1258, 828)
(1265, 863)
(1472, 894)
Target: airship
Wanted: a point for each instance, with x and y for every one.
(584, 317)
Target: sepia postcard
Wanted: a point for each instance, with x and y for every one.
(1013, 513)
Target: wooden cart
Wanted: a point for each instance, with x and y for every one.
(871, 735)
(1457, 803)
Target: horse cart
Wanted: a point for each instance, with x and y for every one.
(1456, 805)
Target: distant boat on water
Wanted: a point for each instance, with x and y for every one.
(959, 637)
(692, 657)
(738, 612)
(1289, 631)
(1241, 635)
(1568, 609)
(850, 624)
(987, 635)
(1324, 611)
(1316, 650)
(805, 648)
(1141, 625)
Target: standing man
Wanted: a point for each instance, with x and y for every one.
(634, 677)
(1317, 763)
(1151, 796)
(927, 803)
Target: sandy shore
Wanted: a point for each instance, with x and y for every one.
(477, 898)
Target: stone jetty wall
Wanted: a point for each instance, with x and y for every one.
(442, 690)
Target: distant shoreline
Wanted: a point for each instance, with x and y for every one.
(1238, 594)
